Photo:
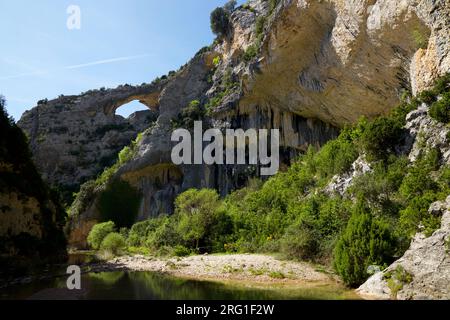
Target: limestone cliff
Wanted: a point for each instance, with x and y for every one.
(306, 67)
(31, 219)
(73, 138)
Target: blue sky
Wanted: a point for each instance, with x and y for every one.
(120, 41)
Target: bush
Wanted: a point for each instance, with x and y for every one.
(230, 6)
(440, 110)
(220, 23)
(336, 157)
(250, 53)
(188, 115)
(114, 243)
(99, 232)
(300, 242)
(442, 84)
(418, 180)
(380, 138)
(273, 4)
(366, 241)
(197, 213)
(427, 96)
(181, 251)
(396, 279)
(141, 230)
(165, 235)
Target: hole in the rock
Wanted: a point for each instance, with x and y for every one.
(130, 108)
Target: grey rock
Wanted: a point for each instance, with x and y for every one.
(73, 138)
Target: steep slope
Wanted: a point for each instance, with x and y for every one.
(306, 67)
(31, 220)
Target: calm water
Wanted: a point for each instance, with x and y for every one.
(153, 286)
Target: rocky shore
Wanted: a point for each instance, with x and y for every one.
(248, 267)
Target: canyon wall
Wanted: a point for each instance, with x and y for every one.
(31, 219)
(305, 67)
(73, 138)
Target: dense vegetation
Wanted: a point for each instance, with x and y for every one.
(371, 224)
(19, 175)
(439, 98)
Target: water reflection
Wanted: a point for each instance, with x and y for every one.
(154, 286)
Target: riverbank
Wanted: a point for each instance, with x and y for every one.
(232, 267)
(233, 276)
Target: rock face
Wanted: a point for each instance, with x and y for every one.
(426, 133)
(340, 183)
(340, 60)
(305, 67)
(74, 137)
(427, 261)
(31, 220)
(422, 133)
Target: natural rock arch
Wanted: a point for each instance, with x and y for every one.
(150, 100)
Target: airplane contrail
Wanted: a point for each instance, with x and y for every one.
(106, 61)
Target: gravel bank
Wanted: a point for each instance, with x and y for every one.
(249, 267)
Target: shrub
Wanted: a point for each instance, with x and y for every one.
(380, 138)
(440, 110)
(114, 243)
(141, 230)
(188, 115)
(216, 61)
(250, 53)
(99, 232)
(165, 234)
(336, 157)
(300, 242)
(420, 38)
(396, 279)
(366, 241)
(379, 187)
(427, 96)
(412, 216)
(196, 213)
(273, 4)
(230, 6)
(125, 155)
(220, 23)
(181, 251)
(442, 84)
(418, 180)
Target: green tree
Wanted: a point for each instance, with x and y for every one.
(440, 110)
(230, 6)
(220, 22)
(380, 138)
(114, 242)
(99, 232)
(366, 241)
(197, 213)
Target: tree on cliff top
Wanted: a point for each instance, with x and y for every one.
(230, 5)
(220, 22)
